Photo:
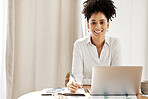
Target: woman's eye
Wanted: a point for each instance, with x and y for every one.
(93, 22)
(101, 22)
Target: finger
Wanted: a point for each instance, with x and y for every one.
(74, 84)
(74, 87)
(72, 90)
(78, 85)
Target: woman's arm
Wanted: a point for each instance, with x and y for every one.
(116, 53)
(77, 69)
(77, 62)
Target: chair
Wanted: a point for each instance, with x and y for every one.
(67, 78)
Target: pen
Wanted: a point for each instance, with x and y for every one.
(74, 78)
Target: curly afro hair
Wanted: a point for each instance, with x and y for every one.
(94, 6)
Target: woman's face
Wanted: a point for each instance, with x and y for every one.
(98, 25)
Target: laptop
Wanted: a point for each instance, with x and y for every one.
(116, 80)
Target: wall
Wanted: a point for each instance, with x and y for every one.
(130, 25)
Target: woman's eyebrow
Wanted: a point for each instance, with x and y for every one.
(99, 20)
(102, 19)
(93, 20)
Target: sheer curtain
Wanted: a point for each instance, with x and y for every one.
(3, 34)
(40, 43)
(10, 47)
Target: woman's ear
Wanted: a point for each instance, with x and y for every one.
(87, 25)
(107, 25)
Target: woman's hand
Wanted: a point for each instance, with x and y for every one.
(73, 87)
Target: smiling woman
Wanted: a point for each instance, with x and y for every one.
(96, 49)
(130, 26)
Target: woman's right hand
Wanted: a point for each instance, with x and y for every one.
(73, 87)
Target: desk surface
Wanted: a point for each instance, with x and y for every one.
(37, 95)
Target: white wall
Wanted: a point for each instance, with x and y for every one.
(130, 25)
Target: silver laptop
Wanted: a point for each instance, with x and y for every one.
(116, 80)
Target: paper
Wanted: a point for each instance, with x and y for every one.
(62, 91)
(50, 91)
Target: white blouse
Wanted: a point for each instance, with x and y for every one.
(85, 56)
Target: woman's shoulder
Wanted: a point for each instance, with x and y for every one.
(114, 42)
(112, 39)
(81, 41)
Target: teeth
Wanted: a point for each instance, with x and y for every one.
(98, 31)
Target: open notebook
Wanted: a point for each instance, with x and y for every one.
(62, 91)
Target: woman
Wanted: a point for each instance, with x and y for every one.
(96, 49)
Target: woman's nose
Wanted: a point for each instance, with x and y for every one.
(97, 26)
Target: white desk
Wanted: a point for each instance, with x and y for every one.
(37, 95)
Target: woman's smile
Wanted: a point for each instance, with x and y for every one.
(98, 32)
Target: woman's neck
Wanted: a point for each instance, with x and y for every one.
(98, 42)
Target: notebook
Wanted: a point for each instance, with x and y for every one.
(116, 80)
(62, 91)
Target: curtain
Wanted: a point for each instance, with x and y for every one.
(10, 47)
(3, 34)
(40, 43)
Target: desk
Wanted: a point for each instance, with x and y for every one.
(37, 95)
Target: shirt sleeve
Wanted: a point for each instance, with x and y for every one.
(77, 62)
(116, 53)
